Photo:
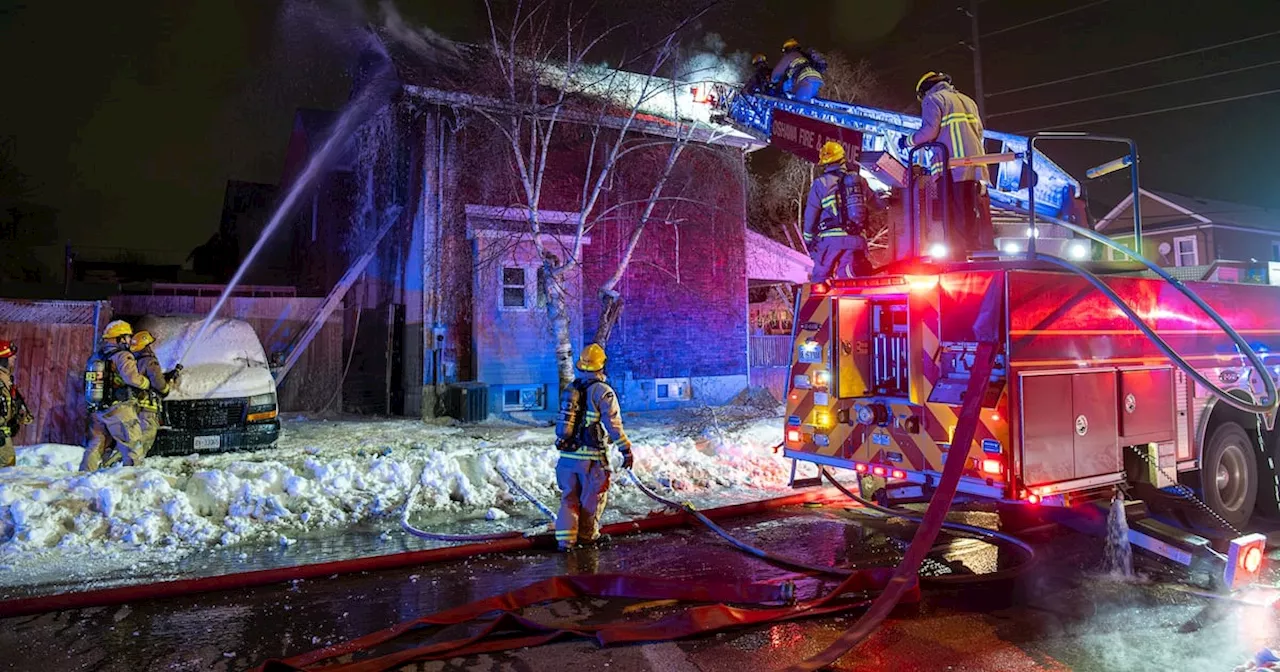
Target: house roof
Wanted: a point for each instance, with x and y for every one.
(1166, 210)
(771, 261)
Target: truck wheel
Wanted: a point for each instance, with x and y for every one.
(1229, 474)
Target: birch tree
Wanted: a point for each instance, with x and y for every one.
(542, 64)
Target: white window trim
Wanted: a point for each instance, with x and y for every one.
(1195, 251)
(519, 390)
(530, 277)
(1274, 244)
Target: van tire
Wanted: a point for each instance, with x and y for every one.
(1229, 473)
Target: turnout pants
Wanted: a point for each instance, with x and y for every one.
(839, 256)
(970, 219)
(149, 423)
(584, 488)
(7, 455)
(115, 428)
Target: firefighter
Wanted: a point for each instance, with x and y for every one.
(13, 409)
(151, 401)
(799, 71)
(113, 385)
(835, 217)
(589, 420)
(950, 117)
(761, 80)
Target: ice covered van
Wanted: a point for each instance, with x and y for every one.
(225, 399)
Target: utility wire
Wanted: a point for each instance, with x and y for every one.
(1135, 64)
(1204, 103)
(1126, 92)
(1044, 18)
(925, 57)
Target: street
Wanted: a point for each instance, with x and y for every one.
(1059, 615)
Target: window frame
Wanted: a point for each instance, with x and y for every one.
(503, 287)
(1195, 251)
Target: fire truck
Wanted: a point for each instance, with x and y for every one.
(1106, 374)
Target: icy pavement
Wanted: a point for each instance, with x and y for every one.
(330, 489)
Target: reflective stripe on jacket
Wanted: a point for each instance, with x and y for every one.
(822, 217)
(950, 117)
(601, 407)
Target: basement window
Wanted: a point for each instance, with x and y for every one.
(672, 389)
(515, 288)
(526, 398)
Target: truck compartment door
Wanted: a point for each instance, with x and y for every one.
(853, 355)
(1069, 426)
(1146, 406)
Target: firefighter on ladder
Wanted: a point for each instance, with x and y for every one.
(112, 387)
(799, 72)
(836, 214)
(589, 420)
(951, 118)
(151, 401)
(13, 409)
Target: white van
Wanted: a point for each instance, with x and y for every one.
(225, 398)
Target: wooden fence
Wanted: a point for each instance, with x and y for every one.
(770, 363)
(54, 340)
(317, 376)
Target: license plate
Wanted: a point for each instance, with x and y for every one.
(208, 442)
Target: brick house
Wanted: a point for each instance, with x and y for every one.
(1204, 239)
(455, 292)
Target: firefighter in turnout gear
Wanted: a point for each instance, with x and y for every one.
(761, 80)
(113, 386)
(13, 409)
(799, 72)
(589, 420)
(151, 401)
(835, 218)
(951, 118)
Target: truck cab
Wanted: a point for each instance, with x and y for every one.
(225, 399)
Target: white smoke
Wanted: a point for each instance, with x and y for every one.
(421, 39)
(708, 61)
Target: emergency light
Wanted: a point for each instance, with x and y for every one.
(1244, 560)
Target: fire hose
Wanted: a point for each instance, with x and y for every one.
(510, 630)
(471, 538)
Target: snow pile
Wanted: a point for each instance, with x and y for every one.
(327, 476)
(228, 361)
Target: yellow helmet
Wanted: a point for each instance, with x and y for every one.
(791, 43)
(928, 80)
(591, 359)
(141, 340)
(831, 152)
(758, 59)
(117, 329)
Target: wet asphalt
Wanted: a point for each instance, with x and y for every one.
(1060, 614)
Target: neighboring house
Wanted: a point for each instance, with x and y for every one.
(1211, 239)
(456, 289)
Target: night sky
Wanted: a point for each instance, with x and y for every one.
(127, 119)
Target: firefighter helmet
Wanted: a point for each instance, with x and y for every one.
(929, 80)
(790, 44)
(759, 59)
(140, 340)
(117, 329)
(7, 349)
(591, 359)
(831, 152)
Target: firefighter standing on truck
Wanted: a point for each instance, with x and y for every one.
(13, 410)
(799, 71)
(951, 118)
(835, 217)
(112, 387)
(761, 80)
(589, 420)
(151, 401)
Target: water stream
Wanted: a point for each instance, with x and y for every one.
(370, 99)
(1118, 558)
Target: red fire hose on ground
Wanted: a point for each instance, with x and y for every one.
(510, 630)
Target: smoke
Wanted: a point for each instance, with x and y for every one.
(421, 40)
(708, 61)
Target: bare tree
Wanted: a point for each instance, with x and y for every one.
(540, 64)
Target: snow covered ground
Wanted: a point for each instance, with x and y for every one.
(325, 477)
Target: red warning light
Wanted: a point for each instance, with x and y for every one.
(899, 474)
(1252, 559)
(1033, 498)
(793, 436)
(860, 468)
(1244, 560)
(878, 471)
(820, 288)
(992, 467)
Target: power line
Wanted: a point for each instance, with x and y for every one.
(1162, 110)
(1100, 96)
(1045, 18)
(925, 57)
(1149, 61)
